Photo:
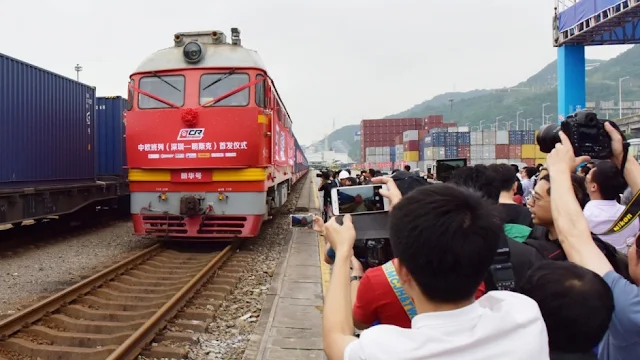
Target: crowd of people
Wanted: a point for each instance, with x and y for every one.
(493, 264)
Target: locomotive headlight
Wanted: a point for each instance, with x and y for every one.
(193, 52)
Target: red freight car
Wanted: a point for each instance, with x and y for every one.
(210, 145)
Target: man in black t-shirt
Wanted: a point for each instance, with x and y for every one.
(517, 218)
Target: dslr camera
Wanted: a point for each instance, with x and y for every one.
(586, 133)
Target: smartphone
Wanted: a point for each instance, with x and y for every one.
(358, 199)
(444, 168)
(302, 221)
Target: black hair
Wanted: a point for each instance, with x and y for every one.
(579, 188)
(538, 167)
(515, 168)
(352, 181)
(530, 171)
(504, 175)
(326, 175)
(585, 170)
(372, 172)
(576, 304)
(479, 178)
(446, 236)
(609, 179)
(407, 168)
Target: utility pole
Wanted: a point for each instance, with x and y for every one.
(518, 119)
(78, 68)
(498, 118)
(543, 105)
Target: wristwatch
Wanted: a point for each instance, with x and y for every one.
(354, 278)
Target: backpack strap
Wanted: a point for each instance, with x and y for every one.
(394, 281)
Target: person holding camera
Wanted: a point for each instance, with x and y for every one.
(622, 341)
(444, 238)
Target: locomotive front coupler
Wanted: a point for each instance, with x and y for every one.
(191, 205)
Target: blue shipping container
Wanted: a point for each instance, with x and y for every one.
(46, 126)
(450, 152)
(110, 146)
(438, 139)
(529, 137)
(464, 138)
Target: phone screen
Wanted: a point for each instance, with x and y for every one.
(302, 221)
(359, 199)
(444, 168)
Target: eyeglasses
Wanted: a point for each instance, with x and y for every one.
(634, 241)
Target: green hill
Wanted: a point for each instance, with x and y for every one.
(528, 96)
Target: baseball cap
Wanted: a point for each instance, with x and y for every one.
(343, 175)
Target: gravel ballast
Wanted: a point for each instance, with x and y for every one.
(31, 273)
(228, 335)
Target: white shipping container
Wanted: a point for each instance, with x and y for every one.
(463, 129)
(488, 137)
(488, 151)
(370, 151)
(452, 129)
(386, 150)
(502, 161)
(439, 153)
(515, 161)
(410, 135)
(428, 153)
(476, 137)
(502, 137)
(475, 151)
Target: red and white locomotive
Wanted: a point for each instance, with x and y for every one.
(210, 147)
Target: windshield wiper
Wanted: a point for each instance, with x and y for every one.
(165, 81)
(226, 75)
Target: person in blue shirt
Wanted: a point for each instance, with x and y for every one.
(622, 340)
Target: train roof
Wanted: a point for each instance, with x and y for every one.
(217, 54)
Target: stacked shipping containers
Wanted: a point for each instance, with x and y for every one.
(479, 147)
(378, 138)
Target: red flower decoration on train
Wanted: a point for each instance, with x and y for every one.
(190, 117)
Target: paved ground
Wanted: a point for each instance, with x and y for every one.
(290, 326)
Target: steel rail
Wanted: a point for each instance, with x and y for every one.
(16, 322)
(132, 347)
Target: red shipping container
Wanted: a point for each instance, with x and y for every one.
(398, 140)
(435, 119)
(502, 151)
(422, 134)
(515, 151)
(411, 145)
(464, 151)
(529, 162)
(448, 125)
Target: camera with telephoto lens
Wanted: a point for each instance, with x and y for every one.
(372, 252)
(586, 133)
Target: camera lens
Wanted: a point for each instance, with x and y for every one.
(192, 52)
(548, 137)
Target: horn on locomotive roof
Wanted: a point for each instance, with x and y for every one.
(211, 37)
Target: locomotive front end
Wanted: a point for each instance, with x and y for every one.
(199, 140)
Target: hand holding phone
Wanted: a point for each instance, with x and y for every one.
(359, 199)
(302, 221)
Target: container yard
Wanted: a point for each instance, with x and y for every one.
(420, 142)
(50, 162)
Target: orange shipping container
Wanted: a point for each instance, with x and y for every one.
(515, 151)
(502, 152)
(529, 151)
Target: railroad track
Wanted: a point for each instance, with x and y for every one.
(116, 313)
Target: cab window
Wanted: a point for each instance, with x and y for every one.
(212, 86)
(260, 93)
(166, 87)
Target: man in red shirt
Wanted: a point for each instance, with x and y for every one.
(376, 301)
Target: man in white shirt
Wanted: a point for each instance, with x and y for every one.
(604, 182)
(527, 184)
(444, 238)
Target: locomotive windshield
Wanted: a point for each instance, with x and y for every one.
(168, 87)
(227, 83)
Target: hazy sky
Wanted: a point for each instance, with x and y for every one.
(348, 59)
